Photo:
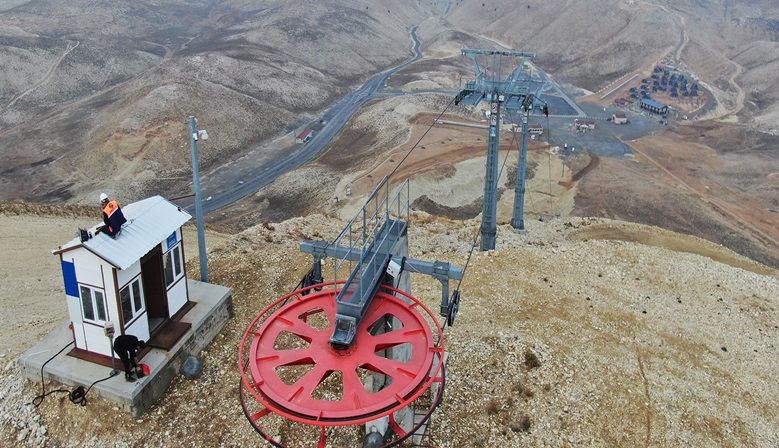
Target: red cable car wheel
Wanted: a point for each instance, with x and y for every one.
(265, 359)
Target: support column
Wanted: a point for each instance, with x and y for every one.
(518, 219)
(201, 235)
(489, 227)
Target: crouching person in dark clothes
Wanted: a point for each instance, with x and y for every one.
(126, 348)
(113, 218)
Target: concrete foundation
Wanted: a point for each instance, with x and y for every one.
(214, 307)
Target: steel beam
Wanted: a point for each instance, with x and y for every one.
(440, 270)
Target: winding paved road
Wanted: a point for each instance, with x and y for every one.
(223, 186)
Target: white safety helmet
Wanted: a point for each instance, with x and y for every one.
(103, 197)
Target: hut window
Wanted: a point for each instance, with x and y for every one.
(173, 265)
(131, 297)
(92, 304)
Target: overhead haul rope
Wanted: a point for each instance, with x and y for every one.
(549, 154)
(420, 138)
(76, 396)
(476, 236)
(395, 169)
(477, 233)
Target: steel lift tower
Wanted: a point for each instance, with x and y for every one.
(503, 94)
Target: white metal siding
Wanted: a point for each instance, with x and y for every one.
(78, 334)
(124, 276)
(88, 267)
(149, 222)
(97, 341)
(139, 328)
(177, 296)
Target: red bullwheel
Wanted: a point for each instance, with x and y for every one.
(292, 369)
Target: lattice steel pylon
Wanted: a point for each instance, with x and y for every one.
(502, 93)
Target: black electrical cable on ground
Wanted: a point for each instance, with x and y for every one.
(39, 399)
(77, 396)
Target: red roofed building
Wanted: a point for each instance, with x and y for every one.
(621, 102)
(583, 125)
(536, 129)
(304, 136)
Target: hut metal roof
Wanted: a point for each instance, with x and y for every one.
(149, 222)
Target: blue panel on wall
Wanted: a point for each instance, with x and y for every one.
(69, 274)
(172, 240)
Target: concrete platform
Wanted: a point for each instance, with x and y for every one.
(214, 307)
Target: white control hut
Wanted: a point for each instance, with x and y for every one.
(136, 281)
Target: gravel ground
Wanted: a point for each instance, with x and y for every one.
(566, 337)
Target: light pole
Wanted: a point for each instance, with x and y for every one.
(108, 329)
(194, 134)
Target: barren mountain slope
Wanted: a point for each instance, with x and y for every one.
(586, 44)
(105, 90)
(643, 343)
(106, 87)
(644, 337)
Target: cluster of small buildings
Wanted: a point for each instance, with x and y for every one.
(532, 128)
(664, 80)
(583, 125)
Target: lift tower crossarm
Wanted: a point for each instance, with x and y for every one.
(490, 85)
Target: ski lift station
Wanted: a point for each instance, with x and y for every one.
(359, 353)
(136, 284)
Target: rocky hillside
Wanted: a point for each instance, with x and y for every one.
(94, 90)
(578, 332)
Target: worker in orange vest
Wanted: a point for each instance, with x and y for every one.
(112, 217)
